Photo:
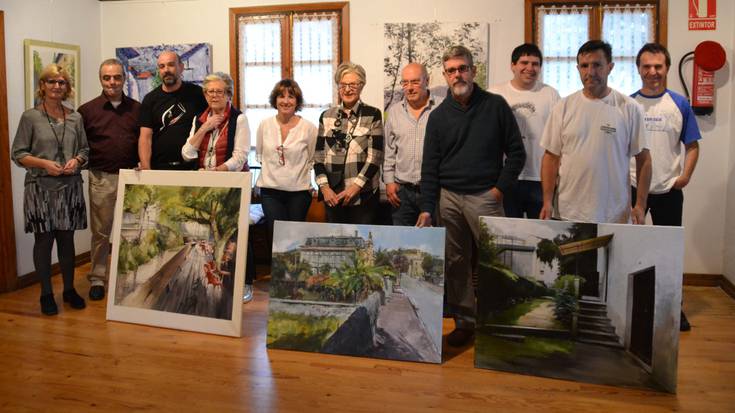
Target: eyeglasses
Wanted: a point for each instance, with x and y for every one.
(281, 157)
(59, 82)
(412, 82)
(453, 70)
(214, 92)
(351, 86)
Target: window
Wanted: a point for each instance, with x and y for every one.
(305, 42)
(559, 28)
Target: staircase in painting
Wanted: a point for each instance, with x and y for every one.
(594, 327)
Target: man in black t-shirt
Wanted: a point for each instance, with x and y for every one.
(166, 115)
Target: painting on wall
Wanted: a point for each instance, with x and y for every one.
(179, 244)
(359, 290)
(39, 54)
(141, 72)
(425, 43)
(597, 303)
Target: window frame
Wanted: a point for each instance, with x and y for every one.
(595, 29)
(342, 8)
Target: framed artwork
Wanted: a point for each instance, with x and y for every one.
(597, 303)
(179, 244)
(425, 43)
(140, 65)
(359, 290)
(39, 54)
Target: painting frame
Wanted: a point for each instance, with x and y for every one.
(371, 291)
(590, 302)
(42, 49)
(231, 326)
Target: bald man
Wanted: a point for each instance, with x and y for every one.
(404, 143)
(166, 115)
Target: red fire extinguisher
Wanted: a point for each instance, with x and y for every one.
(709, 57)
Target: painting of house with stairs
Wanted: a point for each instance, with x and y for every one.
(597, 303)
(359, 290)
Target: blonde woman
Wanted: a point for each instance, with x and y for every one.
(51, 144)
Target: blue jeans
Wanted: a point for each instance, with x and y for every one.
(284, 206)
(408, 211)
(525, 197)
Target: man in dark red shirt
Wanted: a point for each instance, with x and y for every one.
(111, 123)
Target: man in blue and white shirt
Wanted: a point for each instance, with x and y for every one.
(671, 125)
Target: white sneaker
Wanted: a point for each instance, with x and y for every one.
(247, 293)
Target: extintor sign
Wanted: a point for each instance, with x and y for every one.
(702, 14)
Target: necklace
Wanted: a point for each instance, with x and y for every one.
(59, 143)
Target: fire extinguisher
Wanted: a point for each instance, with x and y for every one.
(709, 57)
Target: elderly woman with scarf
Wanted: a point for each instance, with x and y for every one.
(219, 140)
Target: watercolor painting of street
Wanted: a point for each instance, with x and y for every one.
(359, 290)
(597, 303)
(178, 249)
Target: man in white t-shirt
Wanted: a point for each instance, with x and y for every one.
(590, 138)
(671, 126)
(531, 101)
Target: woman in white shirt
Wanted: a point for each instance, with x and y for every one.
(220, 136)
(285, 149)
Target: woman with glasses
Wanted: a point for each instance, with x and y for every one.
(219, 140)
(349, 152)
(52, 145)
(220, 137)
(285, 150)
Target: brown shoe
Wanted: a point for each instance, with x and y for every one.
(460, 337)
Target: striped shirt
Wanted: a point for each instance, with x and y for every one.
(404, 142)
(349, 150)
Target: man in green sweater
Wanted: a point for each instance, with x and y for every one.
(464, 171)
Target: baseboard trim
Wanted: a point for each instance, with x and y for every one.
(31, 278)
(710, 280)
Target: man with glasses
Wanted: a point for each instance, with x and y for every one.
(531, 101)
(166, 115)
(467, 138)
(111, 124)
(590, 139)
(404, 144)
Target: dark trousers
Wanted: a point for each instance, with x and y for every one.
(408, 211)
(284, 206)
(525, 197)
(666, 208)
(44, 242)
(364, 213)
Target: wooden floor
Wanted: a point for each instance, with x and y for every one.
(77, 361)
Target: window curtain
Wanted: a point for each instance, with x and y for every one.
(627, 28)
(560, 31)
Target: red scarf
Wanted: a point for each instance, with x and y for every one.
(220, 148)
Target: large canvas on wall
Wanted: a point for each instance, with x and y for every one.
(140, 65)
(39, 54)
(179, 244)
(598, 303)
(361, 290)
(425, 43)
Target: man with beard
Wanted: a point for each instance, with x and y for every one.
(590, 138)
(404, 143)
(166, 115)
(531, 101)
(111, 124)
(467, 137)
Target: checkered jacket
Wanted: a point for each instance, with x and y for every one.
(350, 150)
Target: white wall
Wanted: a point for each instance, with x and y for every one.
(634, 249)
(101, 27)
(70, 21)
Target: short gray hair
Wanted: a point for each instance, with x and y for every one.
(349, 67)
(219, 76)
(111, 62)
(458, 51)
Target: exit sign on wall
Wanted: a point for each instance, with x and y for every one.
(702, 14)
